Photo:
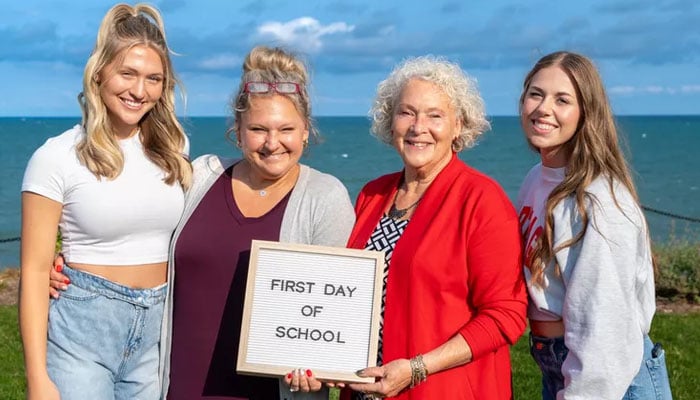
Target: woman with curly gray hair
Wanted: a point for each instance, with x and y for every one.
(453, 297)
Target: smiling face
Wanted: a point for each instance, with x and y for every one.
(271, 135)
(424, 125)
(131, 88)
(550, 114)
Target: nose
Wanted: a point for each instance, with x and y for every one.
(138, 88)
(545, 106)
(419, 123)
(271, 139)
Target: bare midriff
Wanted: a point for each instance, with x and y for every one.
(548, 329)
(141, 276)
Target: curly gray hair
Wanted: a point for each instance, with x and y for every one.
(450, 78)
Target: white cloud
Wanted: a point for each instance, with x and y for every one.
(221, 61)
(690, 89)
(622, 90)
(303, 33)
(654, 89)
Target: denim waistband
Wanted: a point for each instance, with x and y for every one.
(540, 342)
(97, 284)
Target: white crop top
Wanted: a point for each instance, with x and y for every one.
(125, 221)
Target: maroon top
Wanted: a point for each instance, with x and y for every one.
(211, 258)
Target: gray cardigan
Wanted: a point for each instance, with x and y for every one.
(319, 212)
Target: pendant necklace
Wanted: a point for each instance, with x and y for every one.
(398, 213)
(262, 193)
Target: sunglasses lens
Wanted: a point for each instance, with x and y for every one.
(286, 87)
(258, 87)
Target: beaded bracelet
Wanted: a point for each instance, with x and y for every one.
(419, 373)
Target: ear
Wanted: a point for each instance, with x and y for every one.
(458, 128)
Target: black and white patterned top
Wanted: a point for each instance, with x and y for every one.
(383, 238)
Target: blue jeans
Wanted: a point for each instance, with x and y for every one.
(651, 382)
(103, 339)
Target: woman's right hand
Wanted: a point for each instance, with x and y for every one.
(44, 390)
(57, 281)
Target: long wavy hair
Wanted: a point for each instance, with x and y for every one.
(592, 152)
(459, 87)
(274, 64)
(163, 138)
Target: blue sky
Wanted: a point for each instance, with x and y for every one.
(648, 51)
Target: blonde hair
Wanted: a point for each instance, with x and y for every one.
(163, 138)
(593, 151)
(449, 77)
(266, 64)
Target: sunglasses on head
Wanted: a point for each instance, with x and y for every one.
(267, 87)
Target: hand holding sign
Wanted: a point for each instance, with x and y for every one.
(310, 306)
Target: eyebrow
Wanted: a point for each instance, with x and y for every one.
(431, 109)
(556, 94)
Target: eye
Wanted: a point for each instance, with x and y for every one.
(155, 78)
(435, 115)
(563, 100)
(534, 94)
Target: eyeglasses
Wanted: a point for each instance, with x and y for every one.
(267, 87)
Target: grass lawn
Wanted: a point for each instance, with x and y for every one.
(677, 332)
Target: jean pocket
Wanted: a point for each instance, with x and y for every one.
(74, 292)
(652, 380)
(659, 375)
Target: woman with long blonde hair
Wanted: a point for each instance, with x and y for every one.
(114, 187)
(588, 261)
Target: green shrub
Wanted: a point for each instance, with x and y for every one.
(678, 269)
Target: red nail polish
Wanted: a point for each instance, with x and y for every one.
(308, 373)
(66, 281)
(289, 376)
(59, 268)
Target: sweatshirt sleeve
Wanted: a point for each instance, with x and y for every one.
(601, 313)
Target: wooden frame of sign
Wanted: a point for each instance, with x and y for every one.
(312, 307)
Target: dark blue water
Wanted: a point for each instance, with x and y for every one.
(662, 151)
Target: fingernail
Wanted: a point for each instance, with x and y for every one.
(360, 372)
(298, 372)
(63, 287)
(308, 373)
(66, 281)
(59, 268)
(289, 375)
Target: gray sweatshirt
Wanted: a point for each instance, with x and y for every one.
(605, 293)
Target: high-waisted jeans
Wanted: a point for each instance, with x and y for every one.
(651, 382)
(103, 339)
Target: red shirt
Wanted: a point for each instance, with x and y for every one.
(455, 270)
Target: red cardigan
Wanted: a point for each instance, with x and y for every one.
(456, 269)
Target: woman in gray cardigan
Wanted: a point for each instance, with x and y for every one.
(265, 195)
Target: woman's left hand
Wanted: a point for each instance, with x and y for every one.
(302, 380)
(392, 379)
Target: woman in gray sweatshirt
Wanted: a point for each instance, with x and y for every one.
(587, 260)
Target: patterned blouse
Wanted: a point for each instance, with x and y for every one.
(383, 238)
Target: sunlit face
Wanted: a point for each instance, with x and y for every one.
(272, 134)
(550, 114)
(132, 88)
(424, 125)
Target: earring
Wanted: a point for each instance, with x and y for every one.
(305, 144)
(238, 144)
